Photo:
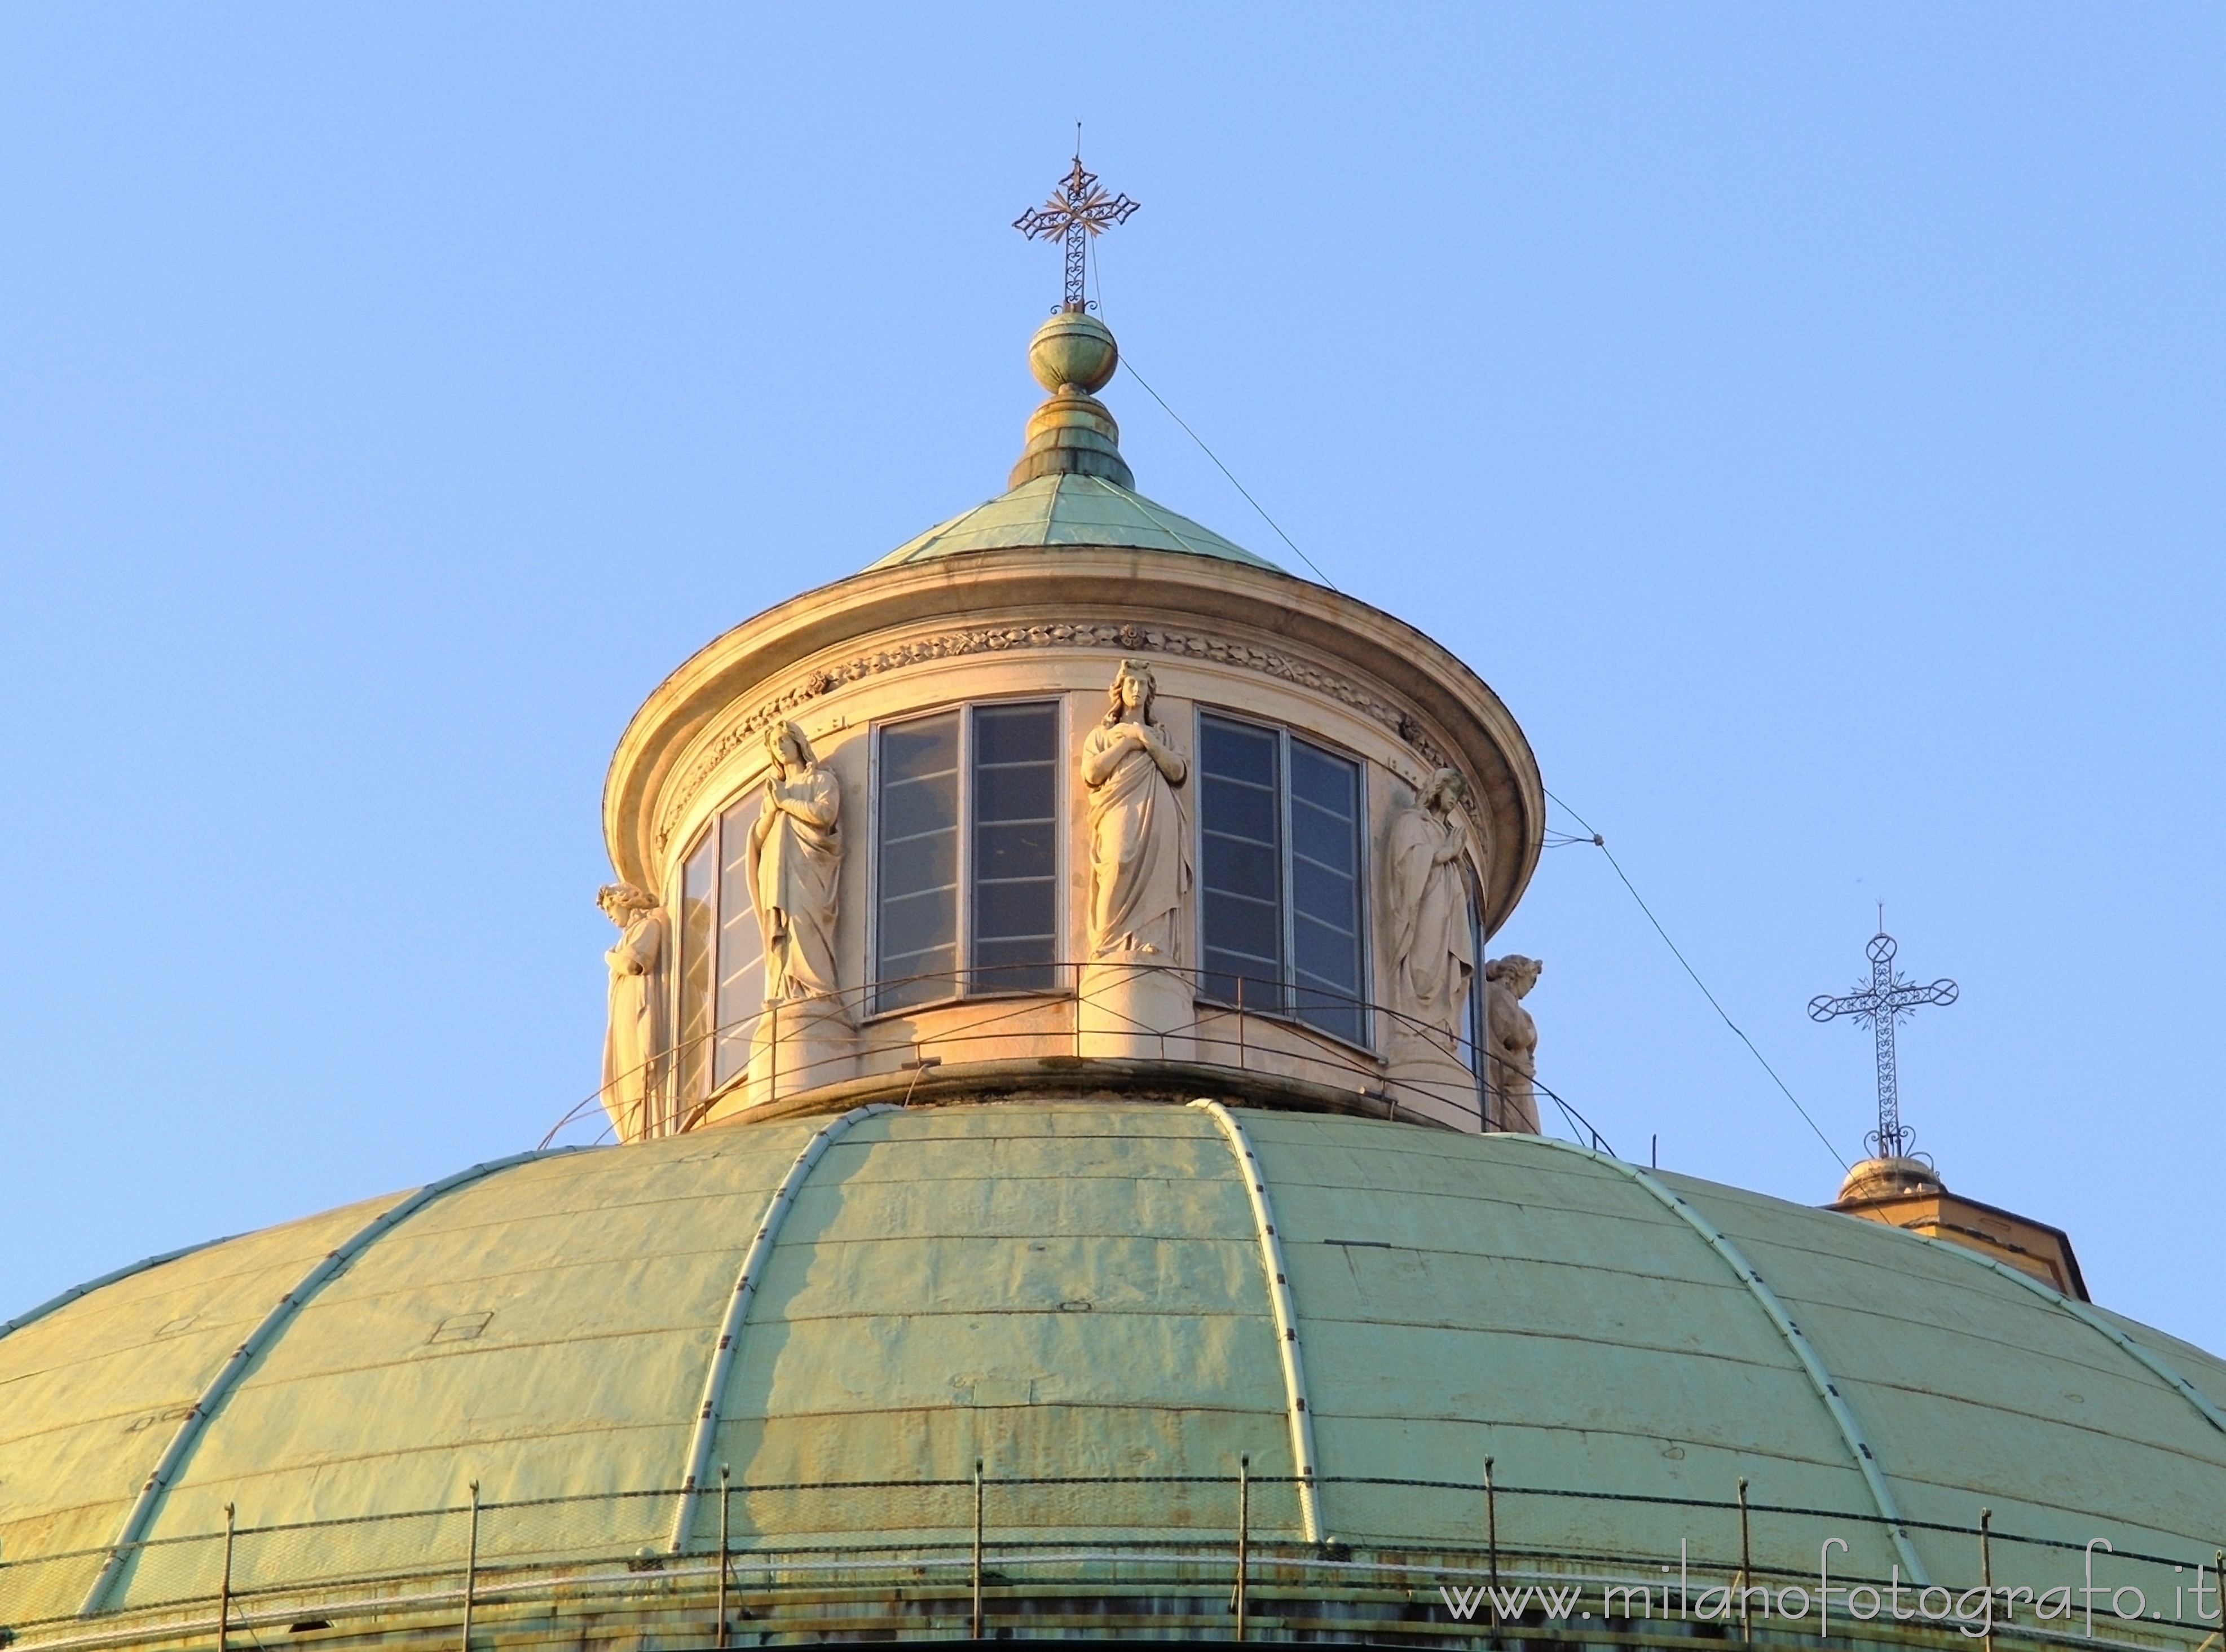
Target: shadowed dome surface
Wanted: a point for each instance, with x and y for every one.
(1068, 1289)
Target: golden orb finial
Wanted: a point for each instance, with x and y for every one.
(1073, 347)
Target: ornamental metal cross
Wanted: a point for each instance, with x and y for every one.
(1077, 210)
(1886, 1000)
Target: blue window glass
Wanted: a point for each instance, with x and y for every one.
(969, 803)
(1279, 876)
(1241, 866)
(1014, 872)
(917, 863)
(740, 967)
(699, 877)
(1326, 891)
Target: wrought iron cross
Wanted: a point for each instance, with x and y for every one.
(1078, 209)
(1886, 1000)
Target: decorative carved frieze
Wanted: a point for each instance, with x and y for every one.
(994, 639)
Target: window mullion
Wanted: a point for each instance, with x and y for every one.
(963, 960)
(871, 998)
(1362, 914)
(1290, 891)
(718, 836)
(718, 961)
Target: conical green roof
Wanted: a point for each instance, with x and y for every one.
(1071, 488)
(1068, 509)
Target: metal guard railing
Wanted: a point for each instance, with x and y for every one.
(1191, 1554)
(1224, 1031)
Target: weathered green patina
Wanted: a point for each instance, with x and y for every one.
(1055, 511)
(1076, 1288)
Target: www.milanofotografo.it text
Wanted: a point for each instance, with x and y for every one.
(1974, 1611)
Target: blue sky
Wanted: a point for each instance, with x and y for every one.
(1809, 419)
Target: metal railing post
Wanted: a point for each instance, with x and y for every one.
(1243, 1539)
(726, 1504)
(223, 1589)
(1746, 1559)
(1491, 1535)
(1987, 1570)
(551, 1574)
(1240, 1024)
(471, 1568)
(977, 1548)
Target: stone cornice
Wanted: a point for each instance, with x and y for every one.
(986, 602)
(1126, 639)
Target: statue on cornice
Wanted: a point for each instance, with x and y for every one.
(1511, 1041)
(633, 1041)
(795, 859)
(1433, 933)
(1139, 855)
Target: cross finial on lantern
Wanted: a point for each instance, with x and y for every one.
(1886, 1000)
(1078, 209)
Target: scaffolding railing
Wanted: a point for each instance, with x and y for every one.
(983, 1552)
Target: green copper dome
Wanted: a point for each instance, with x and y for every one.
(1067, 509)
(1074, 1289)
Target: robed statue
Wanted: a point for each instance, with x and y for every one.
(1433, 937)
(633, 1040)
(1139, 852)
(1512, 1040)
(795, 857)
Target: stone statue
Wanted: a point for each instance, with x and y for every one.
(1139, 855)
(1512, 1040)
(795, 858)
(634, 1041)
(1433, 937)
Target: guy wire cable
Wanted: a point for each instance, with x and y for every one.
(1129, 363)
(1600, 843)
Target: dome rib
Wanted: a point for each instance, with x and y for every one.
(1819, 1377)
(63, 1299)
(2156, 1363)
(1168, 521)
(738, 1307)
(1285, 1309)
(273, 1326)
(1072, 1287)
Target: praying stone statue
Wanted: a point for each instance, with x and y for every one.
(1433, 937)
(633, 1043)
(1511, 1041)
(795, 859)
(1139, 858)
